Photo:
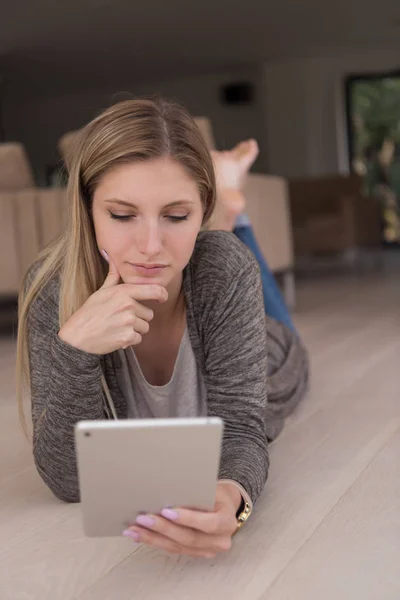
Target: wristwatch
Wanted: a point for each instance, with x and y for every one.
(242, 515)
(246, 505)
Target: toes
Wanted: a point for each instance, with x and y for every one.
(246, 152)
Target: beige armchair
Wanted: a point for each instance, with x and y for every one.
(331, 215)
(29, 216)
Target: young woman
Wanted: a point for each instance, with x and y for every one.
(137, 312)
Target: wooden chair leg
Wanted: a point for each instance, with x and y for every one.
(289, 289)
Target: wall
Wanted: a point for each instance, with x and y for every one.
(305, 110)
(39, 121)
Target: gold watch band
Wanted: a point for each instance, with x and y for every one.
(243, 516)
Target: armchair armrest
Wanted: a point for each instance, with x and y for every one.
(9, 255)
(52, 212)
(361, 220)
(29, 220)
(269, 212)
(19, 238)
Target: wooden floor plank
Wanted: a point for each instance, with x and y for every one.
(355, 551)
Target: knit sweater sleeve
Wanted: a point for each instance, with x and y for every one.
(65, 388)
(228, 309)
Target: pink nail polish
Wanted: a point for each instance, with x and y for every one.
(134, 535)
(145, 521)
(170, 514)
(104, 253)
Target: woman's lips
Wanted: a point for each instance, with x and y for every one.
(149, 270)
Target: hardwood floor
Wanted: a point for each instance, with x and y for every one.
(328, 523)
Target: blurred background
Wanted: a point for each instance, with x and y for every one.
(316, 83)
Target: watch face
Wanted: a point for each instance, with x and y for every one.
(245, 514)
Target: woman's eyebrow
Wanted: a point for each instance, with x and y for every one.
(175, 204)
(178, 203)
(122, 202)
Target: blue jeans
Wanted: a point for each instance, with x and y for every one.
(274, 303)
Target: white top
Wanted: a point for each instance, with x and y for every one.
(185, 395)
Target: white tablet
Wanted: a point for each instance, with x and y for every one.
(138, 466)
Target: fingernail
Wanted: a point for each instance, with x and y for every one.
(134, 535)
(145, 521)
(168, 513)
(104, 253)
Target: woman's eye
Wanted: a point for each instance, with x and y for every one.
(172, 218)
(120, 217)
(176, 219)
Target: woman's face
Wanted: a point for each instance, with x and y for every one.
(147, 216)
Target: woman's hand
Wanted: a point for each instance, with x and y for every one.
(113, 316)
(190, 532)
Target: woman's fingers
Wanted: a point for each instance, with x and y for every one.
(143, 312)
(141, 326)
(113, 277)
(151, 291)
(220, 521)
(191, 532)
(141, 535)
(181, 535)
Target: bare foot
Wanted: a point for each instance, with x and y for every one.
(231, 169)
(246, 152)
(232, 166)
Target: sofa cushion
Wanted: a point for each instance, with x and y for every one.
(15, 169)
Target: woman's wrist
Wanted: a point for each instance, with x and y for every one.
(65, 336)
(72, 339)
(233, 492)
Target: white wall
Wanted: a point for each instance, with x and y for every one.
(39, 121)
(305, 110)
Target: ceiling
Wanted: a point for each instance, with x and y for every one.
(73, 42)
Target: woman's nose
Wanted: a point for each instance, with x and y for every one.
(149, 238)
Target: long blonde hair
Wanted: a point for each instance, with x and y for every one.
(134, 130)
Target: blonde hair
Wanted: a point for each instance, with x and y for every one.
(134, 130)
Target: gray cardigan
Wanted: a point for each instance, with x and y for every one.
(226, 323)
